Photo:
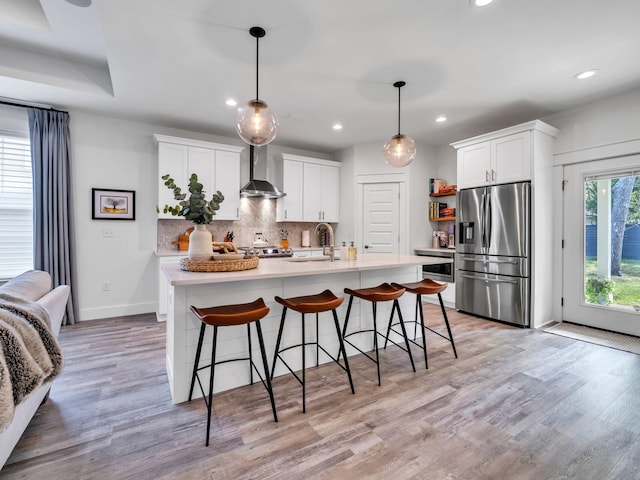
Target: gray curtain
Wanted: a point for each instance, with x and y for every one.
(53, 225)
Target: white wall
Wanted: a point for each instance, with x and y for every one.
(612, 120)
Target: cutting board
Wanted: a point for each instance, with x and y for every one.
(183, 240)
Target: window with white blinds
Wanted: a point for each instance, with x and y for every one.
(16, 206)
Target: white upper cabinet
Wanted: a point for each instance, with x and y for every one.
(227, 181)
(289, 207)
(172, 160)
(312, 187)
(500, 157)
(217, 167)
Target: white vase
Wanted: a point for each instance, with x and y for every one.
(200, 243)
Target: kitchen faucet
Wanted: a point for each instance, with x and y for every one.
(331, 246)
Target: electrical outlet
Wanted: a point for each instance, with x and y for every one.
(106, 286)
(108, 233)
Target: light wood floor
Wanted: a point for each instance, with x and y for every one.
(517, 404)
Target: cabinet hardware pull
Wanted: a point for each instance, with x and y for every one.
(486, 176)
(493, 175)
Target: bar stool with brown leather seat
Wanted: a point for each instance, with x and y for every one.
(425, 287)
(381, 293)
(224, 316)
(322, 302)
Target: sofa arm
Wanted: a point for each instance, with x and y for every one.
(55, 302)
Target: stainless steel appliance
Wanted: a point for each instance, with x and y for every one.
(493, 252)
(267, 252)
(443, 272)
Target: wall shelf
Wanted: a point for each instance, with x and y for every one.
(445, 194)
(443, 219)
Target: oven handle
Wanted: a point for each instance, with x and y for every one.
(483, 279)
(473, 259)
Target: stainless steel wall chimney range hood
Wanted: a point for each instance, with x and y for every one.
(258, 188)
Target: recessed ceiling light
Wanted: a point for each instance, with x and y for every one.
(482, 3)
(441, 119)
(80, 3)
(337, 126)
(231, 102)
(586, 74)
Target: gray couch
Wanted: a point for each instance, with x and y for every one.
(32, 286)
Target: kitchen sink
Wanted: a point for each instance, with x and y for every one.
(323, 258)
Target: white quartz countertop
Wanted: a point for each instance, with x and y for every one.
(284, 267)
(174, 252)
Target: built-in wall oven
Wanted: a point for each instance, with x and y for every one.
(443, 272)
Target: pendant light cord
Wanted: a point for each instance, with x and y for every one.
(257, 69)
(399, 110)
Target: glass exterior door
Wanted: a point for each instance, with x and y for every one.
(602, 244)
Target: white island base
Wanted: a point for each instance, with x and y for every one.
(285, 279)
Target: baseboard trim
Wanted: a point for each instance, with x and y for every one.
(110, 311)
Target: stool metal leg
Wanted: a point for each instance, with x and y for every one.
(250, 355)
(396, 305)
(275, 357)
(304, 368)
(424, 332)
(265, 363)
(195, 365)
(446, 322)
(317, 341)
(344, 352)
(213, 368)
(375, 339)
(346, 321)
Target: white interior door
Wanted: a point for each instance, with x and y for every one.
(381, 213)
(589, 247)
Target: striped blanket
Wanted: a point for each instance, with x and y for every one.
(29, 352)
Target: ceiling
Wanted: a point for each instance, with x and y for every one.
(175, 63)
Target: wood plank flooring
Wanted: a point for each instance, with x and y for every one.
(516, 404)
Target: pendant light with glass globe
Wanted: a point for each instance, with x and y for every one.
(400, 150)
(256, 123)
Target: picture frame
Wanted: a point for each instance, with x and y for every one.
(111, 204)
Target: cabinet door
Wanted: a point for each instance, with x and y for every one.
(163, 287)
(227, 181)
(474, 165)
(202, 163)
(290, 206)
(511, 158)
(172, 160)
(312, 200)
(330, 194)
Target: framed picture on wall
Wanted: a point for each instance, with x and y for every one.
(109, 204)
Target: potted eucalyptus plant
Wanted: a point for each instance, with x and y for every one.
(197, 209)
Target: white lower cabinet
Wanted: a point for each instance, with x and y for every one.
(163, 287)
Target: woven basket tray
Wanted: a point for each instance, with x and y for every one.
(226, 265)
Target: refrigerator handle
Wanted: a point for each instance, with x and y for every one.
(487, 223)
(482, 219)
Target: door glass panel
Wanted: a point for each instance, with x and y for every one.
(612, 241)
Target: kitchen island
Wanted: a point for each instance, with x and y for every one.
(286, 278)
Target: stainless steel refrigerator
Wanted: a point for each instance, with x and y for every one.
(493, 252)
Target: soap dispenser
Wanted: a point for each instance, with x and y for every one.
(344, 251)
(353, 252)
